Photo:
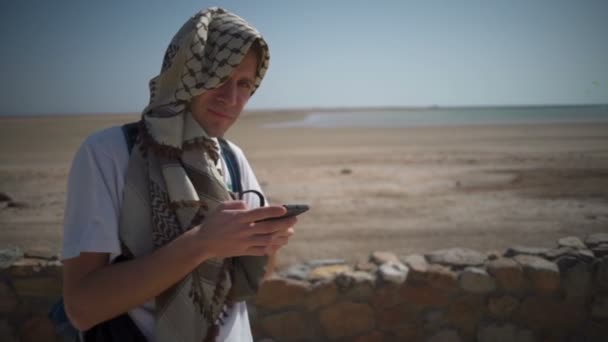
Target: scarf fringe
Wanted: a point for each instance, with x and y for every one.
(159, 149)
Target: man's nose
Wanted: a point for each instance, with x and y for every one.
(228, 93)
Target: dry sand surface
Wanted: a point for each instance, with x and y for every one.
(405, 189)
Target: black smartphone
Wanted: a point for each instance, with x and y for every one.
(292, 210)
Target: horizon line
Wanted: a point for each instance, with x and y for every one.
(332, 109)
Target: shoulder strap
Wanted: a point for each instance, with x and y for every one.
(232, 164)
(130, 131)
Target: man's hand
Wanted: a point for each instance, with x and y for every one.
(232, 230)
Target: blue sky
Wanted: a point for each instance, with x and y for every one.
(69, 56)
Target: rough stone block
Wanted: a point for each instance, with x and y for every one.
(600, 251)
(321, 294)
(393, 272)
(38, 328)
(400, 321)
(601, 274)
(288, 326)
(366, 266)
(380, 258)
(424, 296)
(543, 275)
(347, 319)
(441, 277)
(9, 255)
(417, 265)
(277, 293)
(328, 272)
(525, 250)
(40, 287)
(476, 280)
(504, 333)
(386, 297)
(571, 241)
(447, 335)
(508, 273)
(464, 313)
(599, 307)
(551, 315)
(577, 280)
(457, 257)
(374, 336)
(8, 297)
(297, 272)
(502, 306)
(596, 239)
(356, 285)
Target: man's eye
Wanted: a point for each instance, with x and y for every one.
(245, 84)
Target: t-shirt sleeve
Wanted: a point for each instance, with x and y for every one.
(94, 195)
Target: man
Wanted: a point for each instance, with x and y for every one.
(193, 253)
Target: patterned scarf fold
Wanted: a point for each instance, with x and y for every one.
(172, 180)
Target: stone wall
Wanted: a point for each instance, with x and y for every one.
(524, 294)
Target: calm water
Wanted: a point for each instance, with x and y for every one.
(453, 116)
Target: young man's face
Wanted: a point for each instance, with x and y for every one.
(217, 109)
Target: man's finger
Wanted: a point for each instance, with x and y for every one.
(232, 205)
(273, 226)
(262, 213)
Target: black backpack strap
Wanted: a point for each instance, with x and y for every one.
(232, 164)
(130, 132)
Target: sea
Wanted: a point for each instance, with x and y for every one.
(453, 116)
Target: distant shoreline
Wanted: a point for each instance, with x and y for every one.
(330, 110)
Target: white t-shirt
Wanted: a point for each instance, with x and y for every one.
(94, 199)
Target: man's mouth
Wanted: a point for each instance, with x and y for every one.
(220, 114)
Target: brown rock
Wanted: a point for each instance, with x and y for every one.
(276, 293)
(347, 319)
(417, 266)
(601, 274)
(543, 274)
(42, 287)
(400, 321)
(571, 241)
(424, 296)
(29, 267)
(386, 297)
(508, 273)
(9, 255)
(8, 297)
(380, 258)
(356, 285)
(599, 307)
(374, 336)
(577, 280)
(322, 294)
(465, 312)
(549, 314)
(36, 329)
(328, 272)
(503, 306)
(288, 326)
(460, 257)
(441, 277)
(476, 280)
(366, 266)
(447, 335)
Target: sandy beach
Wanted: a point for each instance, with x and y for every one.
(406, 190)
